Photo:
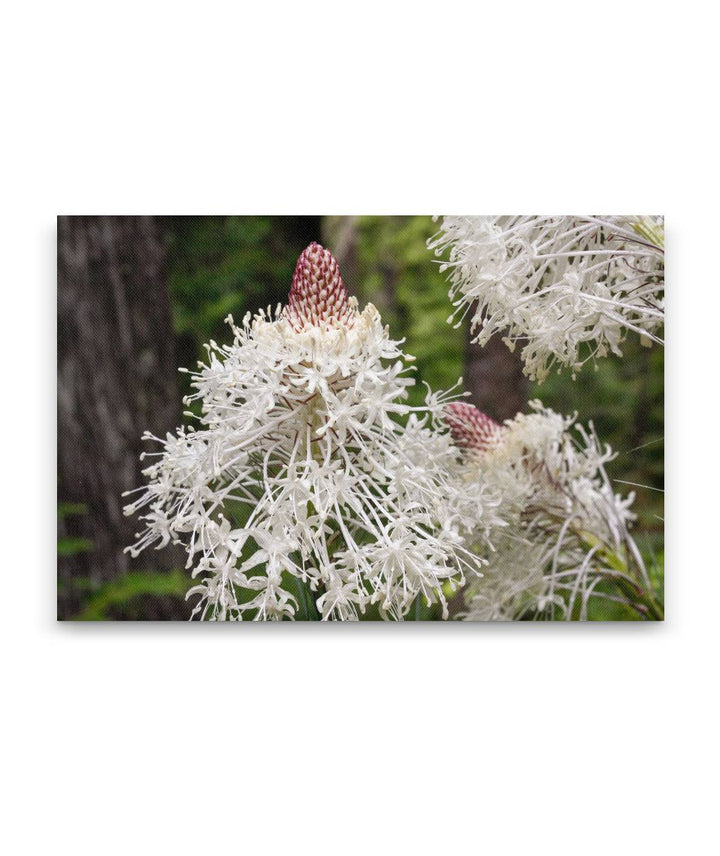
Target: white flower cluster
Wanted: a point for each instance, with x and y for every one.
(469, 502)
(566, 530)
(568, 288)
(302, 490)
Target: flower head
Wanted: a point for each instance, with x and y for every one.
(563, 523)
(302, 489)
(568, 288)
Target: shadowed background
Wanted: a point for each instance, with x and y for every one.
(138, 297)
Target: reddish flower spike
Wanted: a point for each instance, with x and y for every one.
(318, 295)
(471, 428)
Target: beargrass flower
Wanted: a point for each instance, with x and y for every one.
(566, 531)
(567, 288)
(307, 484)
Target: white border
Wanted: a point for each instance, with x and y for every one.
(500, 739)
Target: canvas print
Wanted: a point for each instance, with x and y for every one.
(358, 418)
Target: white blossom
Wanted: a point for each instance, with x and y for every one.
(566, 530)
(567, 288)
(301, 482)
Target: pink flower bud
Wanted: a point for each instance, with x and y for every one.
(470, 428)
(318, 295)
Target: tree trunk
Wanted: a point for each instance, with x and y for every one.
(494, 377)
(341, 236)
(116, 378)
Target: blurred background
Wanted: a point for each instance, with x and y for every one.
(138, 297)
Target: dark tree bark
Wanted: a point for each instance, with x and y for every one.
(494, 377)
(116, 378)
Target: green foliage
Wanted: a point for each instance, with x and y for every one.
(71, 545)
(65, 509)
(120, 595)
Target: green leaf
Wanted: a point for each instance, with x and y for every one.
(121, 591)
(68, 546)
